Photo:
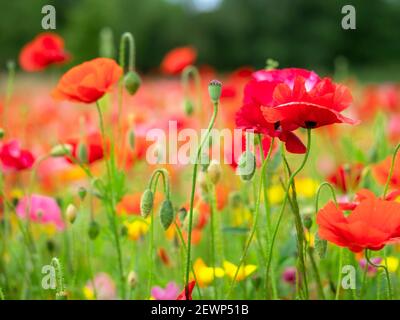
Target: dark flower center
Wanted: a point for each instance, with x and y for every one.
(310, 124)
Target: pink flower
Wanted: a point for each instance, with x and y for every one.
(13, 158)
(169, 293)
(105, 287)
(371, 270)
(41, 209)
(289, 275)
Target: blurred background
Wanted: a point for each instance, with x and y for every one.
(226, 33)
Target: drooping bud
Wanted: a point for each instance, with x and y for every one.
(246, 166)
(307, 221)
(214, 171)
(61, 150)
(82, 193)
(214, 90)
(166, 214)
(188, 107)
(132, 279)
(146, 203)
(71, 213)
(320, 246)
(82, 152)
(94, 230)
(132, 82)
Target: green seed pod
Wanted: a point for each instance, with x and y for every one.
(131, 139)
(94, 230)
(214, 90)
(188, 107)
(307, 221)
(82, 193)
(132, 82)
(61, 150)
(320, 246)
(246, 166)
(146, 203)
(166, 213)
(82, 153)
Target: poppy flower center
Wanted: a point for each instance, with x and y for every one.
(310, 124)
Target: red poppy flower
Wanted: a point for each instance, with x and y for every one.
(373, 224)
(46, 49)
(94, 144)
(13, 158)
(381, 172)
(346, 177)
(296, 98)
(187, 296)
(178, 59)
(89, 81)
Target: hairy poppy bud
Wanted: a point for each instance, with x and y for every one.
(61, 150)
(82, 193)
(131, 139)
(166, 213)
(202, 179)
(132, 279)
(214, 171)
(307, 221)
(214, 90)
(70, 213)
(132, 82)
(320, 246)
(146, 203)
(82, 153)
(94, 230)
(246, 166)
(188, 107)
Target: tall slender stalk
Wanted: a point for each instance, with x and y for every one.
(391, 171)
(384, 267)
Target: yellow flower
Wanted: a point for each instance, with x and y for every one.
(392, 263)
(88, 293)
(137, 228)
(241, 215)
(16, 193)
(276, 194)
(310, 238)
(244, 271)
(205, 274)
(306, 187)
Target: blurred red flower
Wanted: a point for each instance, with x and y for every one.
(187, 295)
(13, 158)
(94, 144)
(382, 169)
(347, 177)
(178, 59)
(89, 81)
(373, 224)
(44, 50)
(299, 98)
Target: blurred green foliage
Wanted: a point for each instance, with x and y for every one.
(303, 33)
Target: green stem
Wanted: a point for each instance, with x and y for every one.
(339, 279)
(60, 294)
(291, 180)
(186, 73)
(194, 176)
(384, 267)
(391, 171)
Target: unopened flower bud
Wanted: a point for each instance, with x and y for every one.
(61, 150)
(82, 153)
(214, 90)
(182, 213)
(188, 107)
(166, 214)
(82, 193)
(94, 230)
(307, 221)
(132, 279)
(132, 82)
(202, 179)
(71, 213)
(146, 203)
(214, 171)
(246, 165)
(320, 246)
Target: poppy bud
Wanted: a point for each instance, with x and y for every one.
(166, 213)
(246, 166)
(2, 133)
(307, 221)
(98, 187)
(94, 230)
(132, 279)
(214, 90)
(82, 193)
(214, 171)
(188, 107)
(202, 178)
(70, 213)
(82, 153)
(131, 139)
(132, 82)
(182, 213)
(320, 246)
(146, 203)
(61, 150)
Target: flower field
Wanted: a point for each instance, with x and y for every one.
(116, 184)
